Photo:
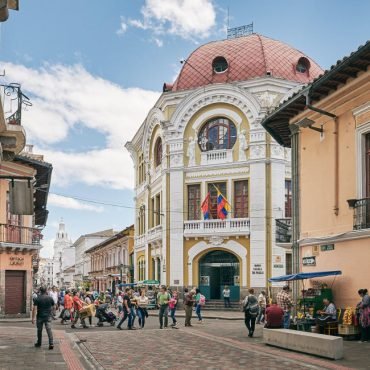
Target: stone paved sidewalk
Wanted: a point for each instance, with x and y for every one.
(17, 351)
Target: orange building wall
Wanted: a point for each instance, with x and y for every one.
(317, 181)
(352, 258)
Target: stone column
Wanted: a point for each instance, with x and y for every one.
(257, 216)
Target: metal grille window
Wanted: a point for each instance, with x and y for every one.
(218, 133)
(194, 202)
(212, 188)
(288, 198)
(241, 199)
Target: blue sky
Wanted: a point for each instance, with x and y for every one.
(94, 68)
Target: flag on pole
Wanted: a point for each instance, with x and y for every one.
(205, 206)
(223, 206)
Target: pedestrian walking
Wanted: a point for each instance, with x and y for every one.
(78, 304)
(68, 305)
(226, 295)
(127, 314)
(250, 306)
(88, 301)
(261, 307)
(285, 302)
(188, 305)
(133, 296)
(364, 312)
(43, 311)
(163, 299)
(54, 294)
(142, 303)
(199, 302)
(173, 306)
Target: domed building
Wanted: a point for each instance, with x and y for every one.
(210, 182)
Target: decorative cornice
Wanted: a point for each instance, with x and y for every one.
(222, 171)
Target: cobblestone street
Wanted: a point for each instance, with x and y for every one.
(215, 344)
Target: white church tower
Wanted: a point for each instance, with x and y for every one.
(61, 246)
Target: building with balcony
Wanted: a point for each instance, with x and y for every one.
(82, 259)
(327, 126)
(203, 134)
(22, 217)
(111, 261)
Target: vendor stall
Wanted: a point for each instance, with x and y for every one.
(311, 300)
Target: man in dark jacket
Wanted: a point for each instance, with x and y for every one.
(43, 306)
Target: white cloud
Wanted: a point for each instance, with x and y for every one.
(66, 96)
(122, 28)
(70, 203)
(190, 19)
(159, 42)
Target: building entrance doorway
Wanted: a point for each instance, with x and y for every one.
(218, 269)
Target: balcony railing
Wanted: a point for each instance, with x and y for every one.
(216, 157)
(19, 235)
(232, 226)
(361, 215)
(283, 230)
(155, 233)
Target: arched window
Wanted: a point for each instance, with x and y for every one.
(218, 133)
(303, 65)
(158, 152)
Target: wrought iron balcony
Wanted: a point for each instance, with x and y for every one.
(283, 230)
(361, 215)
(19, 235)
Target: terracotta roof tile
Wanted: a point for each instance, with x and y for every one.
(248, 57)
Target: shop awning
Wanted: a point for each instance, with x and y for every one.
(305, 275)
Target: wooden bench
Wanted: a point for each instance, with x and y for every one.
(315, 344)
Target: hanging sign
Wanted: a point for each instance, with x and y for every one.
(309, 261)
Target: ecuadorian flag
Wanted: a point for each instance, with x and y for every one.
(223, 206)
(205, 206)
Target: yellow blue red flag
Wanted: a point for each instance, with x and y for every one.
(223, 206)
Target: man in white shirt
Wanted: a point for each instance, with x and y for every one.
(262, 307)
(226, 294)
(54, 294)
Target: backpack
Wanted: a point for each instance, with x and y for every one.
(202, 300)
(251, 306)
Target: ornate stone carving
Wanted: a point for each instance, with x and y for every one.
(216, 240)
(277, 151)
(258, 151)
(243, 145)
(287, 154)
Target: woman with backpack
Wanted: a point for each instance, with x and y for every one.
(251, 309)
(199, 302)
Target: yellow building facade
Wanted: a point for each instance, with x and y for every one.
(203, 136)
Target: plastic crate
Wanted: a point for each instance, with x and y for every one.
(347, 329)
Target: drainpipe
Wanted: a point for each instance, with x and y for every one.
(336, 149)
(295, 206)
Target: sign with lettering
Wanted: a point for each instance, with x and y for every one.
(278, 266)
(257, 269)
(15, 260)
(309, 261)
(327, 247)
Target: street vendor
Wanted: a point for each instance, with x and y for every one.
(329, 313)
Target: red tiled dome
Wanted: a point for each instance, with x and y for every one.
(247, 57)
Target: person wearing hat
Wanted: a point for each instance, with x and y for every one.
(285, 302)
